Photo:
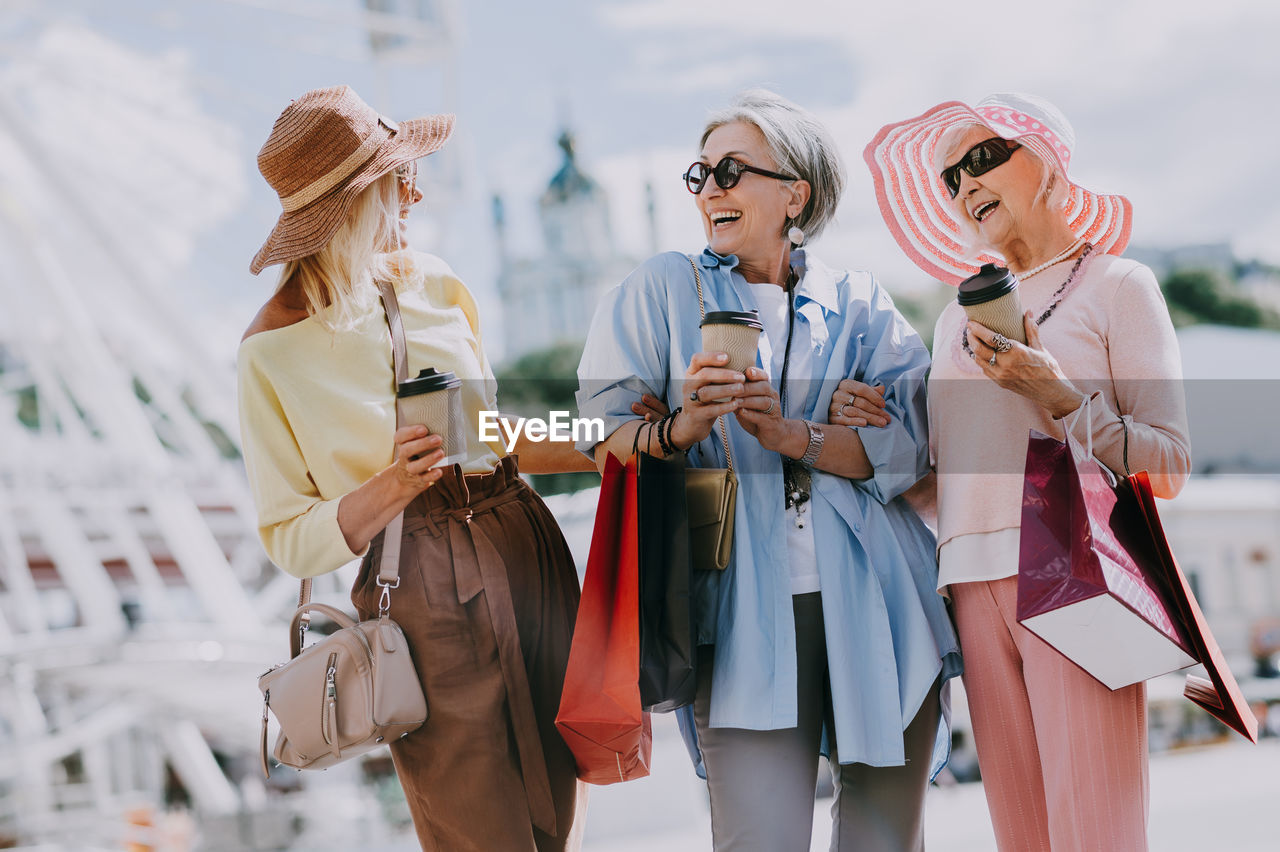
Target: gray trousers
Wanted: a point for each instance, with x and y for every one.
(762, 783)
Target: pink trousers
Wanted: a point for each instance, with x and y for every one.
(1063, 758)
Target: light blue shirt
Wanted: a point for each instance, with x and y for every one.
(887, 631)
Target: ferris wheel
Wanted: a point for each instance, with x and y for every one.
(136, 605)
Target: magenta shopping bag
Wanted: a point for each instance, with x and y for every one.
(1090, 582)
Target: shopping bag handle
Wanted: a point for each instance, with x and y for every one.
(1125, 426)
(1084, 411)
(1074, 418)
(635, 442)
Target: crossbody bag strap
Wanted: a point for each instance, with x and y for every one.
(702, 311)
(389, 567)
(389, 570)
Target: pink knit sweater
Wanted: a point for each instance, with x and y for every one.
(1112, 337)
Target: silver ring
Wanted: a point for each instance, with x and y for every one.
(840, 410)
(770, 408)
(1000, 343)
(693, 396)
(992, 362)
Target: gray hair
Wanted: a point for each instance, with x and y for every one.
(799, 144)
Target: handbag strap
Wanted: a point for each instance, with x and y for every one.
(702, 310)
(389, 570)
(389, 567)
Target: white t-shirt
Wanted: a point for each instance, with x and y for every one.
(772, 299)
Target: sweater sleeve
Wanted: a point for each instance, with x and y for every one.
(1146, 373)
(299, 529)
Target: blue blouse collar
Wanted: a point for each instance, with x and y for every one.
(817, 280)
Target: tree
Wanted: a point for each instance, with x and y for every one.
(541, 381)
(538, 383)
(1198, 295)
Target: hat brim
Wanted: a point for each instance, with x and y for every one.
(918, 209)
(305, 231)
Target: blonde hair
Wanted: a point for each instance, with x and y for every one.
(335, 280)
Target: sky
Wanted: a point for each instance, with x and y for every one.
(1172, 102)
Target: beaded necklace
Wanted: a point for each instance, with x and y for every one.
(1054, 300)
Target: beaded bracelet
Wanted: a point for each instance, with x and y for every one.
(662, 437)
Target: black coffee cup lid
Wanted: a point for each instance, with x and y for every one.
(748, 318)
(990, 283)
(429, 380)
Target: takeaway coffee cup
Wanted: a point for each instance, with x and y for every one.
(736, 333)
(434, 400)
(991, 298)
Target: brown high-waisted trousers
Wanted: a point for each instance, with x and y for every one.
(487, 598)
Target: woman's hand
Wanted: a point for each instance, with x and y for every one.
(856, 403)
(650, 408)
(708, 381)
(761, 416)
(416, 451)
(366, 511)
(1027, 370)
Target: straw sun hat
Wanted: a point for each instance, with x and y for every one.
(325, 148)
(918, 209)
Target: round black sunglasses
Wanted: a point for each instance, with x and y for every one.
(727, 173)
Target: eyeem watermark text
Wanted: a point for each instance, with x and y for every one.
(560, 427)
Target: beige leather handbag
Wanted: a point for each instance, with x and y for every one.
(343, 696)
(356, 688)
(712, 493)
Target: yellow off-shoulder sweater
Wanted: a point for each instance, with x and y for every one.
(317, 409)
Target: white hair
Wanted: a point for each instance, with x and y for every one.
(1053, 190)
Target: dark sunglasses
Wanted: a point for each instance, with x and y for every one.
(727, 173)
(979, 160)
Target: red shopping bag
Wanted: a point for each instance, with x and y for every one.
(1085, 570)
(600, 716)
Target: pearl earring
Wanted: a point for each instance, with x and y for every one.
(796, 236)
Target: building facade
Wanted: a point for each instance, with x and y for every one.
(549, 299)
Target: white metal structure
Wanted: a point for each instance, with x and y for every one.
(136, 606)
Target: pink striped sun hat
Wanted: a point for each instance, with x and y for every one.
(918, 209)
